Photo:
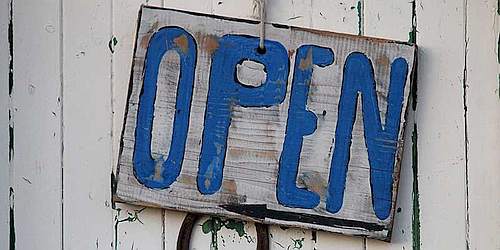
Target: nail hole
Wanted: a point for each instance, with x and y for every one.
(261, 50)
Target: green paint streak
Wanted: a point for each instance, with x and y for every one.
(214, 224)
(112, 44)
(412, 35)
(297, 244)
(359, 7)
(416, 203)
(237, 226)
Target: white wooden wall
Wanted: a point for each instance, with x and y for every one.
(61, 122)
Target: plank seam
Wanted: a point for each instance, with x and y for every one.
(163, 228)
(466, 134)
(112, 43)
(60, 102)
(415, 190)
(12, 231)
(10, 38)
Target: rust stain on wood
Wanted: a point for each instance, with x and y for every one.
(383, 61)
(187, 179)
(210, 43)
(182, 43)
(229, 186)
(241, 152)
(306, 63)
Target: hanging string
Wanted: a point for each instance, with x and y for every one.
(262, 14)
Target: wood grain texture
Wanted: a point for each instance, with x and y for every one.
(263, 146)
(441, 127)
(88, 217)
(482, 100)
(36, 121)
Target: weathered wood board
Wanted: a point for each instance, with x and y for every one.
(308, 132)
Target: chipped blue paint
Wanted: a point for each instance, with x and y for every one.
(301, 122)
(226, 92)
(161, 173)
(381, 141)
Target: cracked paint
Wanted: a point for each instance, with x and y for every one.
(131, 217)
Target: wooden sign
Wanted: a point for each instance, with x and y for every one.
(307, 132)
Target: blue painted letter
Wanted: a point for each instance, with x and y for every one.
(381, 141)
(162, 173)
(225, 91)
(300, 122)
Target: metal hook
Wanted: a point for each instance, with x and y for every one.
(184, 237)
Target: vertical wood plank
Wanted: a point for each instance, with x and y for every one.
(125, 17)
(88, 217)
(440, 119)
(336, 16)
(392, 19)
(317, 14)
(4, 123)
(246, 9)
(345, 16)
(172, 225)
(327, 240)
(189, 5)
(36, 124)
(290, 12)
(483, 123)
(173, 219)
(134, 228)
